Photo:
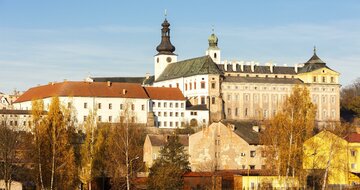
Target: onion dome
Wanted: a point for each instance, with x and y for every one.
(213, 41)
(165, 46)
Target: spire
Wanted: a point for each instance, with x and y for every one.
(165, 46)
(315, 59)
(213, 40)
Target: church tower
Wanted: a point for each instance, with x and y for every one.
(213, 51)
(165, 50)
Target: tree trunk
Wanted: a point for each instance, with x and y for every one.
(127, 156)
(53, 158)
(39, 162)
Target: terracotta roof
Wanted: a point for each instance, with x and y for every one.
(84, 89)
(160, 140)
(164, 93)
(353, 137)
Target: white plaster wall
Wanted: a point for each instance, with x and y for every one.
(180, 110)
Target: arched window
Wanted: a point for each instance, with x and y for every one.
(215, 55)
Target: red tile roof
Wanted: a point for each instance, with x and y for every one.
(84, 89)
(353, 137)
(164, 93)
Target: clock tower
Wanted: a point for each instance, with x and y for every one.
(165, 50)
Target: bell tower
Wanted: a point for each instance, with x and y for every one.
(165, 50)
(213, 51)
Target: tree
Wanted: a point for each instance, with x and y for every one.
(55, 155)
(286, 132)
(167, 171)
(350, 101)
(124, 149)
(9, 144)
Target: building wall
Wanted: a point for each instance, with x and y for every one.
(325, 147)
(244, 101)
(168, 113)
(107, 109)
(219, 147)
(201, 117)
(354, 162)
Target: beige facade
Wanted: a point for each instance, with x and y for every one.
(225, 146)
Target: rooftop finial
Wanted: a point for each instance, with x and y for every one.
(314, 49)
(212, 28)
(165, 13)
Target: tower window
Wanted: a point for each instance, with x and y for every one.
(157, 60)
(215, 55)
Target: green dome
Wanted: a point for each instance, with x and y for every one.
(213, 41)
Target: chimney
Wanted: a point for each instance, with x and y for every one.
(108, 83)
(256, 128)
(124, 91)
(242, 66)
(271, 68)
(147, 75)
(225, 65)
(234, 65)
(252, 66)
(296, 68)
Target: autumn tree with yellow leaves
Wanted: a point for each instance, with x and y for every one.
(54, 154)
(286, 132)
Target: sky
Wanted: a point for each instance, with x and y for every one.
(50, 41)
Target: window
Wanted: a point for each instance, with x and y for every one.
(110, 106)
(85, 118)
(229, 97)
(182, 105)
(171, 114)
(246, 112)
(177, 85)
(165, 104)
(15, 123)
(202, 100)
(171, 123)
(332, 80)
(99, 118)
(252, 167)
(159, 104)
(170, 86)
(176, 105)
(213, 100)
(143, 107)
(186, 87)
(353, 153)
(314, 78)
(252, 153)
(176, 114)
(182, 114)
(99, 105)
(215, 55)
(85, 105)
(229, 111)
(132, 119)
(121, 106)
(213, 85)
(323, 79)
(165, 123)
(176, 124)
(236, 111)
(132, 107)
(333, 99)
(353, 166)
(171, 104)
(202, 85)
(110, 118)
(159, 113)
(159, 123)
(165, 114)
(194, 85)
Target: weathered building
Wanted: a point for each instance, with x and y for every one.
(226, 146)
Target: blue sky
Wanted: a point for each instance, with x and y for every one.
(44, 41)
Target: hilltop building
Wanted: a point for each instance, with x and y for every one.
(211, 89)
